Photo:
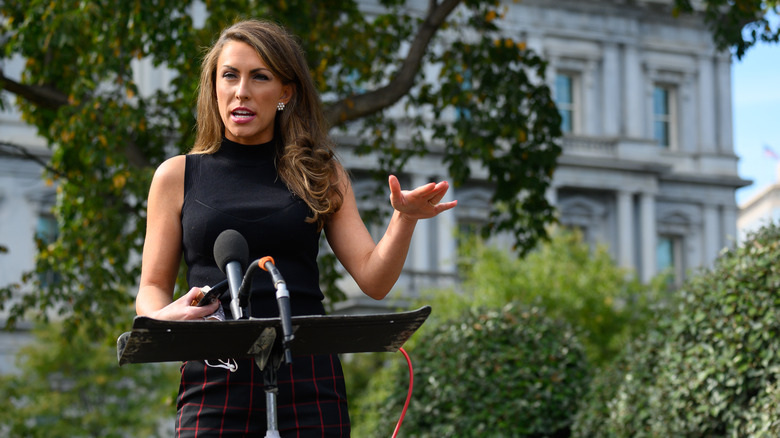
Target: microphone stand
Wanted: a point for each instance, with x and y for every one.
(235, 270)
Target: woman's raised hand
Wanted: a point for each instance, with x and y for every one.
(421, 203)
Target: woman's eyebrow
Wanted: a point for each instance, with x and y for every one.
(255, 70)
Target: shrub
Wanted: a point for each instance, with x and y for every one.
(711, 367)
(490, 373)
(568, 278)
(574, 283)
(762, 419)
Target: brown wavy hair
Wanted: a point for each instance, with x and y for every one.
(306, 161)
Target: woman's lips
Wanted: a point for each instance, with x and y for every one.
(242, 115)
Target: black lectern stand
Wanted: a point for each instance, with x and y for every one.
(153, 340)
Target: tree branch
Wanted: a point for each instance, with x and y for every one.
(21, 151)
(50, 98)
(358, 106)
(41, 96)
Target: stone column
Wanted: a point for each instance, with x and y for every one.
(634, 101)
(706, 92)
(610, 105)
(729, 221)
(648, 236)
(625, 235)
(711, 235)
(647, 128)
(589, 112)
(725, 140)
(686, 115)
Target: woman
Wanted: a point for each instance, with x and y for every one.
(262, 164)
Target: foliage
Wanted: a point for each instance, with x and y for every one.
(568, 278)
(107, 132)
(711, 367)
(489, 373)
(70, 386)
(762, 418)
(571, 281)
(563, 275)
(737, 24)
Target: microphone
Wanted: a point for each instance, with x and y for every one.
(283, 299)
(231, 252)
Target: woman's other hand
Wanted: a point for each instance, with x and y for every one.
(183, 308)
(421, 203)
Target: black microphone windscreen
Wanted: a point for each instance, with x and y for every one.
(231, 246)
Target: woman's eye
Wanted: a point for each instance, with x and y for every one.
(228, 75)
(261, 77)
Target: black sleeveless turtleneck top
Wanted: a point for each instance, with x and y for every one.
(239, 188)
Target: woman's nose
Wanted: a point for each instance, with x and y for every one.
(241, 91)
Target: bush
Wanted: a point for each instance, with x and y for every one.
(568, 278)
(708, 369)
(604, 304)
(489, 373)
(762, 419)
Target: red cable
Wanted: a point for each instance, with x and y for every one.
(408, 394)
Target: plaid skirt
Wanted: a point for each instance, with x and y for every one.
(216, 400)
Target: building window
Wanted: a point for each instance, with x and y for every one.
(669, 257)
(662, 115)
(584, 211)
(46, 229)
(564, 100)
(47, 232)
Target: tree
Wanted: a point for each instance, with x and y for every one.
(737, 24)
(72, 387)
(106, 138)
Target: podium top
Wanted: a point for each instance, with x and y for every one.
(154, 340)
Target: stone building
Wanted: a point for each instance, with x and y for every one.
(648, 164)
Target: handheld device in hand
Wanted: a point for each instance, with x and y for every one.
(212, 294)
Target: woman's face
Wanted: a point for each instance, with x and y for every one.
(247, 94)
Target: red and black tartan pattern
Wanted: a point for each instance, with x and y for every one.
(311, 402)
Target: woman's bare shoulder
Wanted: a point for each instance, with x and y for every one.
(171, 170)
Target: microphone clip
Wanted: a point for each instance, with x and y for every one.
(282, 299)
